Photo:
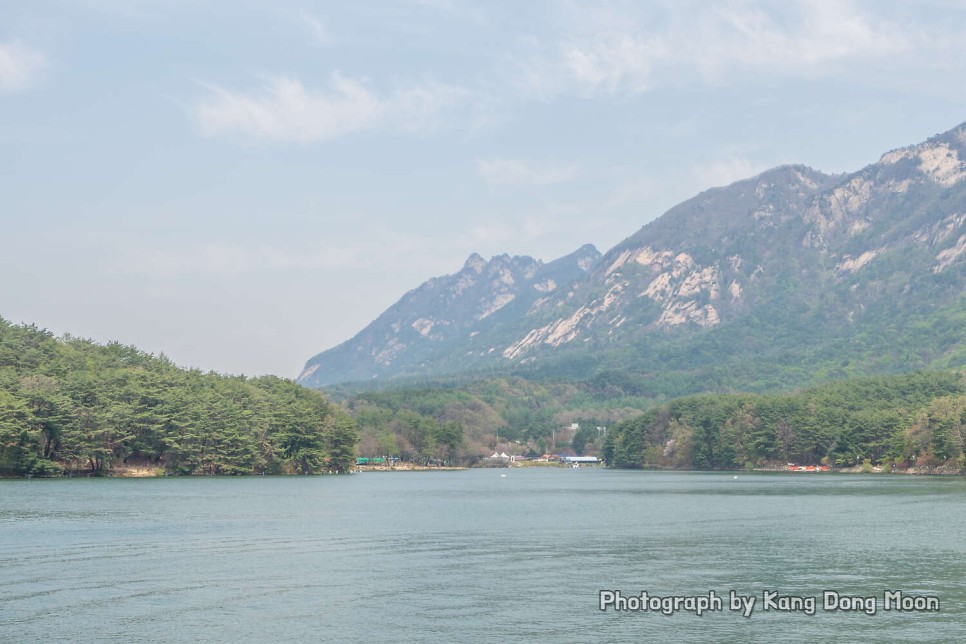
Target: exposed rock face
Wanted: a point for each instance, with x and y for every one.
(842, 248)
(938, 161)
(655, 280)
(951, 255)
(447, 312)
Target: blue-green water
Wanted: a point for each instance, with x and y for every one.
(474, 556)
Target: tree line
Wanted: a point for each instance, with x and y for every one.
(69, 405)
(911, 420)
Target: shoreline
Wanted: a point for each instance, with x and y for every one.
(409, 468)
(159, 472)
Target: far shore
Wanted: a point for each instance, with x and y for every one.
(141, 471)
(407, 467)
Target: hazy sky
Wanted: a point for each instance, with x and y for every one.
(243, 184)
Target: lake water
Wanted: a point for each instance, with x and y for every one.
(475, 556)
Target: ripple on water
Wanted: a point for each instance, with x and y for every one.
(458, 556)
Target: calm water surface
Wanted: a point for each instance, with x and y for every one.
(474, 556)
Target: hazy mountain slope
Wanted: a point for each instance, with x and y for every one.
(777, 279)
(449, 318)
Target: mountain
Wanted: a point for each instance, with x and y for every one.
(786, 278)
(447, 314)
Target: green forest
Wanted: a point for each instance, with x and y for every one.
(916, 420)
(70, 407)
(461, 422)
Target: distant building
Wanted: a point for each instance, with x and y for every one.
(580, 459)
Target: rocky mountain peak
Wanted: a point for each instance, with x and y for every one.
(453, 309)
(474, 263)
(828, 255)
(941, 159)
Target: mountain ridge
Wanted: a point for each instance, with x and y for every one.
(839, 257)
(477, 298)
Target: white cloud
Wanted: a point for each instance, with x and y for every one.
(614, 63)
(725, 171)
(231, 259)
(19, 66)
(825, 33)
(642, 188)
(442, 5)
(619, 49)
(284, 110)
(487, 234)
(317, 29)
(518, 172)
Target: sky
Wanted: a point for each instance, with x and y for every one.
(242, 184)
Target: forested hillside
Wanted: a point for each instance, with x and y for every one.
(787, 279)
(913, 420)
(466, 421)
(73, 406)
